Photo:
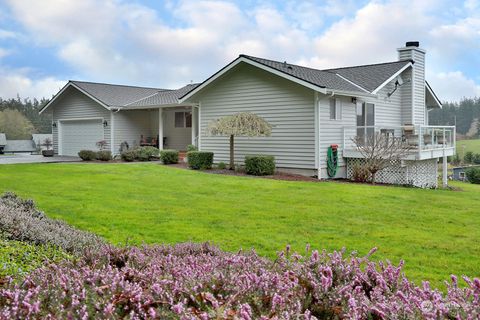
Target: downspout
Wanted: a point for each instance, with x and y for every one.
(319, 167)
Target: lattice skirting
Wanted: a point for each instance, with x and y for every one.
(418, 173)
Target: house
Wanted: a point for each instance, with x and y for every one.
(84, 113)
(310, 110)
(459, 172)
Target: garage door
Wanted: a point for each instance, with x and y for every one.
(79, 135)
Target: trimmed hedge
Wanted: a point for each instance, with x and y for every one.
(147, 153)
(200, 160)
(260, 165)
(128, 155)
(104, 155)
(87, 155)
(140, 154)
(473, 175)
(169, 156)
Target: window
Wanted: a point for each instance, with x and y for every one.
(335, 110)
(183, 119)
(462, 176)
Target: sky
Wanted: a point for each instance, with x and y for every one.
(167, 44)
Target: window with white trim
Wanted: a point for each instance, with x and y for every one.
(335, 109)
(183, 119)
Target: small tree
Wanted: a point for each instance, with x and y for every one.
(380, 151)
(240, 124)
(47, 143)
(101, 144)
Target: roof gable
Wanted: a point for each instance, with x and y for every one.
(371, 77)
(357, 80)
(115, 95)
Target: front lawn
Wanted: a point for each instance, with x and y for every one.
(436, 232)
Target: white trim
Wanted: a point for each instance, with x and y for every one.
(171, 105)
(316, 130)
(160, 128)
(81, 119)
(319, 120)
(199, 147)
(392, 77)
(353, 83)
(255, 64)
(70, 84)
(112, 133)
(430, 90)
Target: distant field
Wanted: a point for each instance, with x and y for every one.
(470, 145)
(436, 232)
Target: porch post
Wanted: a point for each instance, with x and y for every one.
(445, 172)
(160, 128)
(194, 126)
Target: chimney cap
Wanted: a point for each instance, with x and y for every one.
(412, 44)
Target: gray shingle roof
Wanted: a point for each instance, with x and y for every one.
(163, 97)
(369, 77)
(115, 95)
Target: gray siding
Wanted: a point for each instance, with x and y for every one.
(331, 131)
(75, 105)
(130, 125)
(287, 106)
(177, 138)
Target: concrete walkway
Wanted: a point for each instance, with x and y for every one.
(33, 158)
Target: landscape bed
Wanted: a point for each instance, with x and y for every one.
(436, 232)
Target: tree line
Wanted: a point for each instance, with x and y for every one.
(19, 118)
(464, 114)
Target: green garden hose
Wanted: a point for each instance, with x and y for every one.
(332, 160)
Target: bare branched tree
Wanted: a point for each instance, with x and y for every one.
(380, 151)
(240, 124)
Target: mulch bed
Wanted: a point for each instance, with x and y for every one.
(276, 176)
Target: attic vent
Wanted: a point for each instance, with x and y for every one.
(287, 66)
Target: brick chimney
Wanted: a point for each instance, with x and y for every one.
(413, 93)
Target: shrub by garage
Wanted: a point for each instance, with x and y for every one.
(260, 165)
(104, 155)
(200, 160)
(87, 155)
(169, 156)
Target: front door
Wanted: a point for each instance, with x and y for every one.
(365, 121)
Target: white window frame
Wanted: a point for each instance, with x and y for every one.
(184, 119)
(337, 105)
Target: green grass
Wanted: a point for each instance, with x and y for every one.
(436, 232)
(470, 145)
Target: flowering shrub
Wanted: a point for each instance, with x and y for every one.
(193, 281)
(20, 220)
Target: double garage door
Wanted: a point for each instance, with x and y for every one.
(79, 135)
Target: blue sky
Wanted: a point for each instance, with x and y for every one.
(170, 43)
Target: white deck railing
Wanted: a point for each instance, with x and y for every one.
(419, 138)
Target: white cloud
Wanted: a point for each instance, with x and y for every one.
(13, 82)
(452, 86)
(122, 42)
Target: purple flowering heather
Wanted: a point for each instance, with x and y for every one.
(193, 281)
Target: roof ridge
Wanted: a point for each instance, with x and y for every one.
(290, 64)
(119, 85)
(330, 69)
(368, 65)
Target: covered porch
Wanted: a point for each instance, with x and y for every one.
(166, 127)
